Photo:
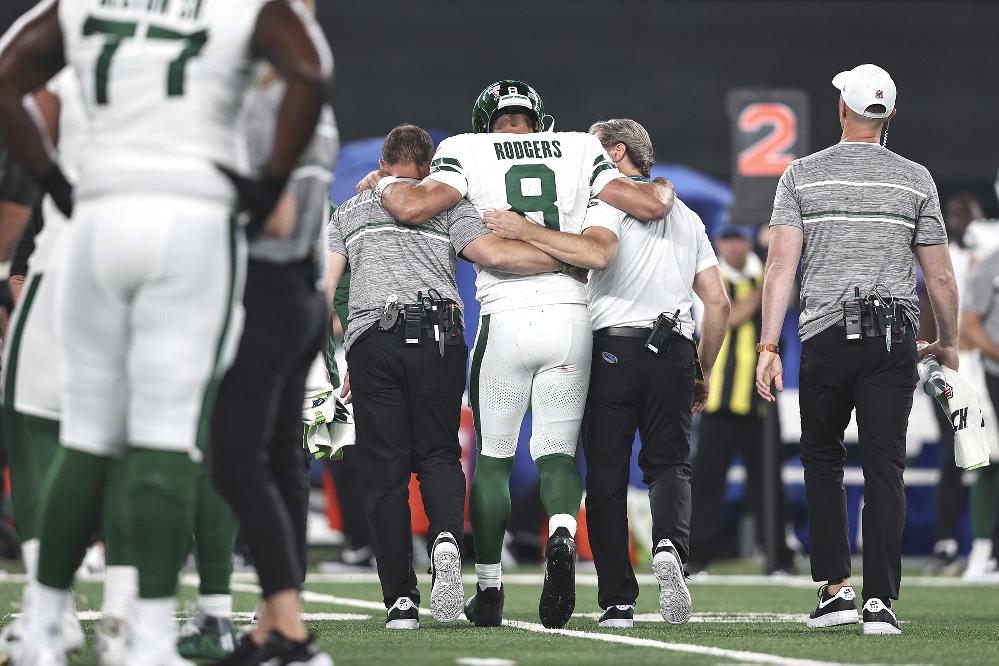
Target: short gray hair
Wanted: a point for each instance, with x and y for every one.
(635, 138)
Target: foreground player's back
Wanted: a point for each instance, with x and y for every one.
(549, 177)
(162, 81)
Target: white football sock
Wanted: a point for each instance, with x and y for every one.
(489, 575)
(562, 520)
(216, 605)
(121, 588)
(43, 616)
(29, 553)
(154, 628)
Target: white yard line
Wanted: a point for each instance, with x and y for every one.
(590, 579)
(743, 656)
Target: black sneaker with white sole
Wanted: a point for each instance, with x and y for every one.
(447, 597)
(403, 614)
(834, 609)
(674, 597)
(485, 607)
(879, 618)
(621, 616)
(558, 596)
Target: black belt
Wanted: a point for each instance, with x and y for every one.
(623, 332)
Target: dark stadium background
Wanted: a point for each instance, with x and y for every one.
(669, 65)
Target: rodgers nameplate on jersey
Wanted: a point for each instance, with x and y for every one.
(549, 177)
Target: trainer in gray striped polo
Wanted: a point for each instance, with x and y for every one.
(388, 257)
(863, 209)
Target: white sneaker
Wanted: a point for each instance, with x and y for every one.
(10, 640)
(111, 635)
(39, 653)
(674, 597)
(447, 597)
(72, 633)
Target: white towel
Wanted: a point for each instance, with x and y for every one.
(971, 442)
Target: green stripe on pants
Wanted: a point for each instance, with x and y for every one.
(29, 441)
(473, 379)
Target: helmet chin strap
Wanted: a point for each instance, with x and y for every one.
(551, 123)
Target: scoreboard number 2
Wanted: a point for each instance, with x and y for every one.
(769, 154)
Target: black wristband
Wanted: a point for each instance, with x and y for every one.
(55, 184)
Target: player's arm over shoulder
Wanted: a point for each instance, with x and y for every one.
(647, 202)
(415, 203)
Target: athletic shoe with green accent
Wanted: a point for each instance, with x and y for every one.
(206, 637)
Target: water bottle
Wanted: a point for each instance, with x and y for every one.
(934, 382)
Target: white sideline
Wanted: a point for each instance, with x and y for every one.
(705, 650)
(590, 579)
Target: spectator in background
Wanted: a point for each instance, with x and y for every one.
(961, 210)
(980, 327)
(733, 418)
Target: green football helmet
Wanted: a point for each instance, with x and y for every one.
(504, 95)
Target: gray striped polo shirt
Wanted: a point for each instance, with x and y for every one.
(390, 258)
(863, 210)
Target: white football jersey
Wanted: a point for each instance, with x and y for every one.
(163, 82)
(548, 177)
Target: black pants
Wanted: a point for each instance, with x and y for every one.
(257, 459)
(632, 388)
(720, 437)
(950, 489)
(407, 408)
(837, 377)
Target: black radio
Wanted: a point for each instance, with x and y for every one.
(878, 315)
(666, 328)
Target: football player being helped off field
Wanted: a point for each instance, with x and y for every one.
(534, 340)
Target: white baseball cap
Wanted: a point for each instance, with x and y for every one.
(865, 86)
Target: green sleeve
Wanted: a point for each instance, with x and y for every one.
(340, 307)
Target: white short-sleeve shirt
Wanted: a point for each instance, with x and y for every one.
(654, 269)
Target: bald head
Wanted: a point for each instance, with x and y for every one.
(860, 128)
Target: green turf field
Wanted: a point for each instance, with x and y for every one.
(737, 620)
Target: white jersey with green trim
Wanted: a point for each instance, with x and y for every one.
(549, 177)
(162, 81)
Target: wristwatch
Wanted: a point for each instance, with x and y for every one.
(773, 349)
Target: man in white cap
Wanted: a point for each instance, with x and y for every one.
(862, 215)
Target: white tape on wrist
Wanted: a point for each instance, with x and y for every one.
(4, 270)
(382, 184)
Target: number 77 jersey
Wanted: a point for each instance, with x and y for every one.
(162, 81)
(549, 177)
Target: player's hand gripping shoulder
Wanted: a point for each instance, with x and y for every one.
(508, 224)
(370, 181)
